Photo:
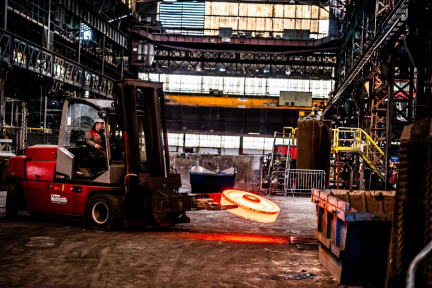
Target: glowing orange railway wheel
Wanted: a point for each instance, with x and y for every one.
(250, 206)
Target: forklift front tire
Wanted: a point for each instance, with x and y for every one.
(12, 201)
(103, 211)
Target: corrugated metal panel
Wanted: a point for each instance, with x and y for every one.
(314, 27)
(324, 14)
(182, 15)
(289, 11)
(279, 10)
(289, 24)
(227, 22)
(221, 9)
(256, 10)
(262, 17)
(314, 12)
(278, 25)
(303, 11)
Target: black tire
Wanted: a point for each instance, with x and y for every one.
(103, 212)
(12, 200)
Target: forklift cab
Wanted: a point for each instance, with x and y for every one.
(75, 159)
(138, 129)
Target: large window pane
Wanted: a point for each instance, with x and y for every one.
(80, 119)
(175, 139)
(240, 85)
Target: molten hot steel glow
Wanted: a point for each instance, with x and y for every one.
(250, 206)
(238, 238)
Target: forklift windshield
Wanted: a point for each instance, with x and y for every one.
(80, 118)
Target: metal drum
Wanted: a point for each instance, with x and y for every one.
(313, 145)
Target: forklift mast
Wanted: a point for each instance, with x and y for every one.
(131, 96)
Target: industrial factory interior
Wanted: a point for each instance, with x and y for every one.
(216, 143)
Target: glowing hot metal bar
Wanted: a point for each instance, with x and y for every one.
(250, 206)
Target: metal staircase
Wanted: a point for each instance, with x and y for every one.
(356, 140)
(279, 163)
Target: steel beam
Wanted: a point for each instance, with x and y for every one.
(26, 55)
(389, 23)
(318, 65)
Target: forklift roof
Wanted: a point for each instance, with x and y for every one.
(97, 103)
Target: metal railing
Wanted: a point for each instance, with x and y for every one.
(302, 181)
(43, 130)
(27, 55)
(356, 140)
(412, 269)
(293, 133)
(360, 141)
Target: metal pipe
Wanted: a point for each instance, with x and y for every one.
(79, 42)
(337, 174)
(272, 155)
(103, 54)
(49, 25)
(410, 279)
(389, 131)
(24, 127)
(261, 172)
(164, 131)
(122, 64)
(16, 122)
(46, 106)
(5, 14)
(12, 114)
(2, 102)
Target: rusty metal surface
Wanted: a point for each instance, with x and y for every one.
(355, 206)
(354, 233)
(313, 146)
(412, 226)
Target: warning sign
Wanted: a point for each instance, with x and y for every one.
(57, 199)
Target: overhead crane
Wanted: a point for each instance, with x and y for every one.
(235, 102)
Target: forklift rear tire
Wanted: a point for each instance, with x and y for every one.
(103, 212)
(12, 201)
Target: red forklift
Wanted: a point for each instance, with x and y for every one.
(131, 185)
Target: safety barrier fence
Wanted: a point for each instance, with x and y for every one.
(297, 181)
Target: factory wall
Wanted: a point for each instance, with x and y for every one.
(248, 167)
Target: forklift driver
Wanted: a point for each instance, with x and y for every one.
(95, 138)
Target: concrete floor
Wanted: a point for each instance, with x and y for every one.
(217, 249)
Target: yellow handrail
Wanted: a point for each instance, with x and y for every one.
(46, 130)
(358, 136)
(293, 133)
(373, 142)
(357, 144)
(10, 127)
